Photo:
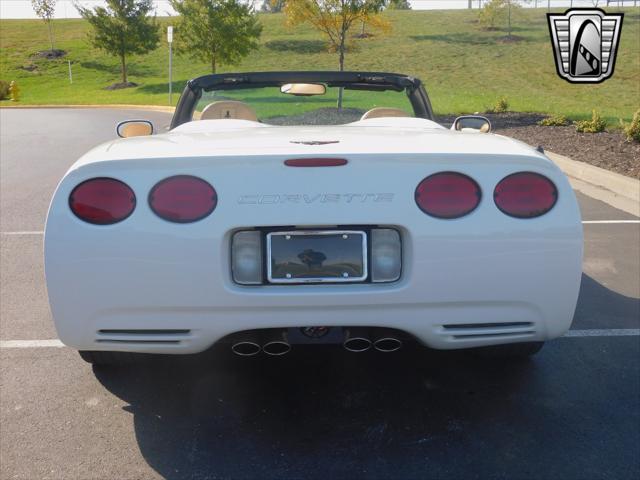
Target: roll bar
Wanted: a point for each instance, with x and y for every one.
(371, 81)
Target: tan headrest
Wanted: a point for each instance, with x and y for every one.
(379, 112)
(228, 109)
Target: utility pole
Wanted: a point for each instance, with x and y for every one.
(170, 41)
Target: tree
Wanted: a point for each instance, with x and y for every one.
(123, 28)
(333, 18)
(272, 6)
(46, 10)
(512, 5)
(492, 13)
(374, 18)
(403, 4)
(216, 31)
(499, 10)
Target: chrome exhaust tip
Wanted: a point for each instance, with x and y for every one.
(277, 344)
(245, 348)
(387, 344)
(357, 340)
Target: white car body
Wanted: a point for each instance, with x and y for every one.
(145, 273)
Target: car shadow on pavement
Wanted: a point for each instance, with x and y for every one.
(600, 307)
(322, 412)
(319, 412)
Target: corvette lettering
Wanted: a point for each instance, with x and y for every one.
(310, 199)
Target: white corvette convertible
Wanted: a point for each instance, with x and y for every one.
(272, 219)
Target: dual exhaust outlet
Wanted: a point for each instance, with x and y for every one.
(272, 343)
(356, 340)
(360, 340)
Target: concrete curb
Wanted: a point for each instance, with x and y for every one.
(155, 108)
(612, 188)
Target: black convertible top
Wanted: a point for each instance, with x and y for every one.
(372, 81)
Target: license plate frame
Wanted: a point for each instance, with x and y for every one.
(317, 279)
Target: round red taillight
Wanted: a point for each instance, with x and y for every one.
(448, 195)
(183, 199)
(102, 201)
(525, 195)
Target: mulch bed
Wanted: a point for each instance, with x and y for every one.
(607, 150)
(50, 54)
(121, 85)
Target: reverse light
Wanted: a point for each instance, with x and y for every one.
(183, 199)
(386, 255)
(102, 201)
(246, 257)
(448, 195)
(525, 195)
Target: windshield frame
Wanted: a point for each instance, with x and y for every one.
(371, 81)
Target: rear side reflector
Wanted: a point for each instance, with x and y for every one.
(102, 201)
(183, 199)
(315, 162)
(525, 195)
(448, 195)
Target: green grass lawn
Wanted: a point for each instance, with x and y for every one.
(464, 68)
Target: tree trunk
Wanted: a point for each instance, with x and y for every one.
(340, 91)
(509, 19)
(213, 64)
(123, 66)
(363, 26)
(50, 34)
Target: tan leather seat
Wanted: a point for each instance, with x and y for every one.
(379, 112)
(228, 109)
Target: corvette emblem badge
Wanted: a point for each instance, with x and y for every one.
(585, 43)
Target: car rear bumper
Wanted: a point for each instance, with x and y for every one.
(453, 293)
(191, 330)
(145, 273)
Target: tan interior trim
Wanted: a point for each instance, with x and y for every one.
(228, 109)
(379, 112)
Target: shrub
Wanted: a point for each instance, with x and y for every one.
(595, 125)
(554, 121)
(4, 90)
(632, 130)
(501, 106)
(492, 14)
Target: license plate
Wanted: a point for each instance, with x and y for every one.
(317, 256)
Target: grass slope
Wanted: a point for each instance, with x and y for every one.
(465, 69)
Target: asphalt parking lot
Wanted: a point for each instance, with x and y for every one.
(572, 412)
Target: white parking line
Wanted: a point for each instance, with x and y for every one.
(584, 222)
(612, 332)
(596, 222)
(31, 343)
(26, 232)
